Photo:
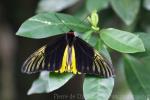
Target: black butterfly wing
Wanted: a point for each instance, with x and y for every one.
(90, 61)
(48, 57)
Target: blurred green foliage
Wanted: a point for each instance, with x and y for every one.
(128, 15)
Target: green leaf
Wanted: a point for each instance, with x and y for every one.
(94, 19)
(122, 41)
(96, 88)
(99, 44)
(48, 82)
(126, 9)
(53, 6)
(145, 38)
(96, 4)
(137, 75)
(90, 37)
(146, 4)
(105, 52)
(92, 40)
(49, 24)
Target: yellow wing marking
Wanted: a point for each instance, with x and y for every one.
(74, 69)
(65, 67)
(64, 61)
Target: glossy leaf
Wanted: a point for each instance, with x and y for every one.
(122, 41)
(49, 24)
(137, 75)
(96, 4)
(47, 83)
(126, 9)
(96, 88)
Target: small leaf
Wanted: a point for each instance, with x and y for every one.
(126, 9)
(122, 41)
(93, 19)
(96, 88)
(96, 4)
(137, 75)
(49, 24)
(47, 83)
(53, 5)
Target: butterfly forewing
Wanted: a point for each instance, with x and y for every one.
(48, 57)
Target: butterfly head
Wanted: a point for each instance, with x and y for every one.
(70, 37)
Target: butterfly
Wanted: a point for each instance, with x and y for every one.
(68, 53)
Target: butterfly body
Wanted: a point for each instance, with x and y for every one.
(68, 53)
(70, 38)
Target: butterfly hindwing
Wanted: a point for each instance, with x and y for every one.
(104, 67)
(90, 61)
